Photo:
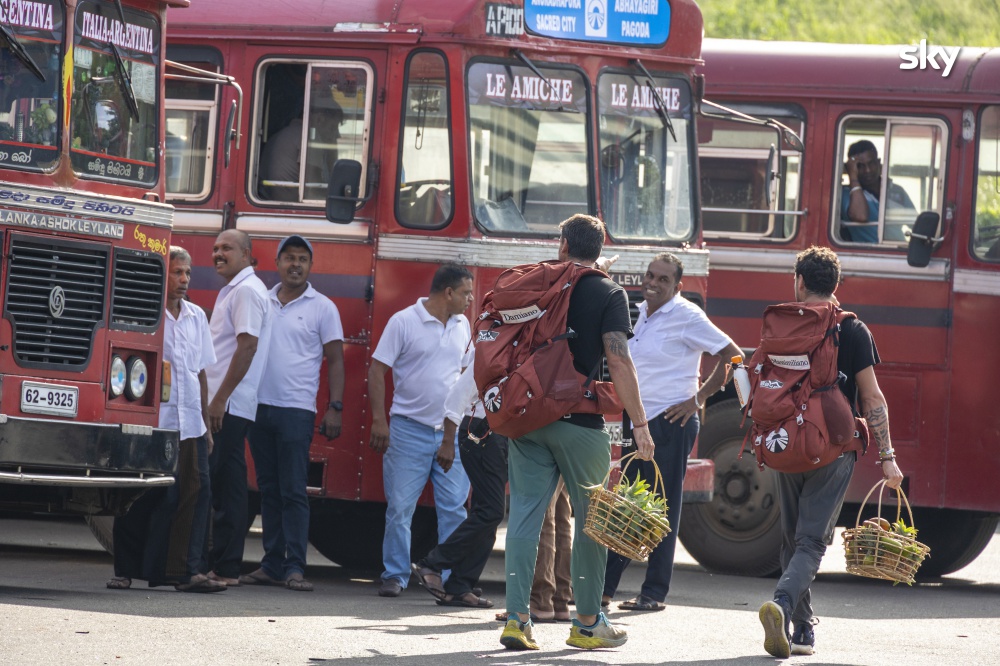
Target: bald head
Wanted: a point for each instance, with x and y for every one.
(232, 253)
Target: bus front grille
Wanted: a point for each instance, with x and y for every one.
(55, 300)
(137, 291)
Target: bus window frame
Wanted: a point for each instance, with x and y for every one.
(889, 119)
(543, 66)
(781, 111)
(451, 139)
(208, 182)
(254, 160)
(694, 187)
(976, 256)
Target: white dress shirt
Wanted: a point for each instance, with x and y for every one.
(666, 350)
(426, 358)
(187, 345)
(299, 329)
(241, 307)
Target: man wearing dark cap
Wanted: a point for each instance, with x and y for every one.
(306, 329)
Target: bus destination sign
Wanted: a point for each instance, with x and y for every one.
(633, 22)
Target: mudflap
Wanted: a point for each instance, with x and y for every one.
(699, 481)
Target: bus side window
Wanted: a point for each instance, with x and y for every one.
(329, 119)
(734, 168)
(424, 195)
(192, 119)
(986, 232)
(900, 159)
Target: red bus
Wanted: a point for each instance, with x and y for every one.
(466, 131)
(84, 231)
(926, 279)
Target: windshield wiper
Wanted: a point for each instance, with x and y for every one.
(18, 50)
(661, 107)
(523, 58)
(125, 83)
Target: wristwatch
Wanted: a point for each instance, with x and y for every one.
(337, 405)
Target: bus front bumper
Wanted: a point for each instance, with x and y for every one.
(96, 455)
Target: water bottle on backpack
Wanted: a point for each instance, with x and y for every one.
(741, 379)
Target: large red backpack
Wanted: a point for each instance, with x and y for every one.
(801, 419)
(523, 366)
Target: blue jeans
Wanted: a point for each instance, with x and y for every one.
(407, 465)
(279, 443)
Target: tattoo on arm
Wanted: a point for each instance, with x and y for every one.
(615, 343)
(878, 424)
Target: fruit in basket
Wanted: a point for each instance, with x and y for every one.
(890, 545)
(879, 522)
(869, 561)
(900, 527)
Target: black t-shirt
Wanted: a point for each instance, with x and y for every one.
(596, 306)
(857, 352)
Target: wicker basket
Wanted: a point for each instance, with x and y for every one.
(619, 524)
(874, 552)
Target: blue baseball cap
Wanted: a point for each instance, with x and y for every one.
(299, 240)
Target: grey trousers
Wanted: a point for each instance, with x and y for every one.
(810, 504)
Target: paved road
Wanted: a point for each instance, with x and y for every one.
(54, 609)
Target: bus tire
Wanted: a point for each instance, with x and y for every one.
(102, 527)
(739, 531)
(350, 533)
(955, 538)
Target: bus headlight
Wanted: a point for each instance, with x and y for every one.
(117, 376)
(136, 376)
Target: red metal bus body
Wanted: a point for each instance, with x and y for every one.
(937, 138)
(468, 154)
(84, 233)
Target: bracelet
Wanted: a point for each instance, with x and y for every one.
(641, 424)
(698, 405)
(882, 460)
(887, 454)
(855, 189)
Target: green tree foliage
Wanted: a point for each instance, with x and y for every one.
(940, 22)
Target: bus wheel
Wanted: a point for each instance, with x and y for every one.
(955, 538)
(102, 527)
(739, 531)
(350, 533)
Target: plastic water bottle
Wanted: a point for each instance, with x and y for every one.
(741, 379)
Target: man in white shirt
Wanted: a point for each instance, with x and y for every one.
(241, 328)
(425, 345)
(484, 459)
(305, 329)
(162, 536)
(671, 335)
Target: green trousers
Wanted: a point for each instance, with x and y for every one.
(535, 461)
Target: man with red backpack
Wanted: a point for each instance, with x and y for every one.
(810, 500)
(572, 444)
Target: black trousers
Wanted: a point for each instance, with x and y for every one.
(673, 446)
(160, 538)
(228, 473)
(468, 548)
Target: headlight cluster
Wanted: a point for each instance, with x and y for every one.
(128, 377)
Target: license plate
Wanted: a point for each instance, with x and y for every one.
(49, 399)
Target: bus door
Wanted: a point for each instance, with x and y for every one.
(973, 462)
(306, 112)
(907, 308)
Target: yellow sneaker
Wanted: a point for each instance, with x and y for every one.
(517, 635)
(599, 635)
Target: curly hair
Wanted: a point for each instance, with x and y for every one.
(819, 268)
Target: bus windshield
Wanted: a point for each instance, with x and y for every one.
(645, 169)
(30, 55)
(528, 138)
(114, 121)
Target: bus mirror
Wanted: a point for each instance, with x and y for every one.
(922, 239)
(230, 135)
(793, 140)
(342, 195)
